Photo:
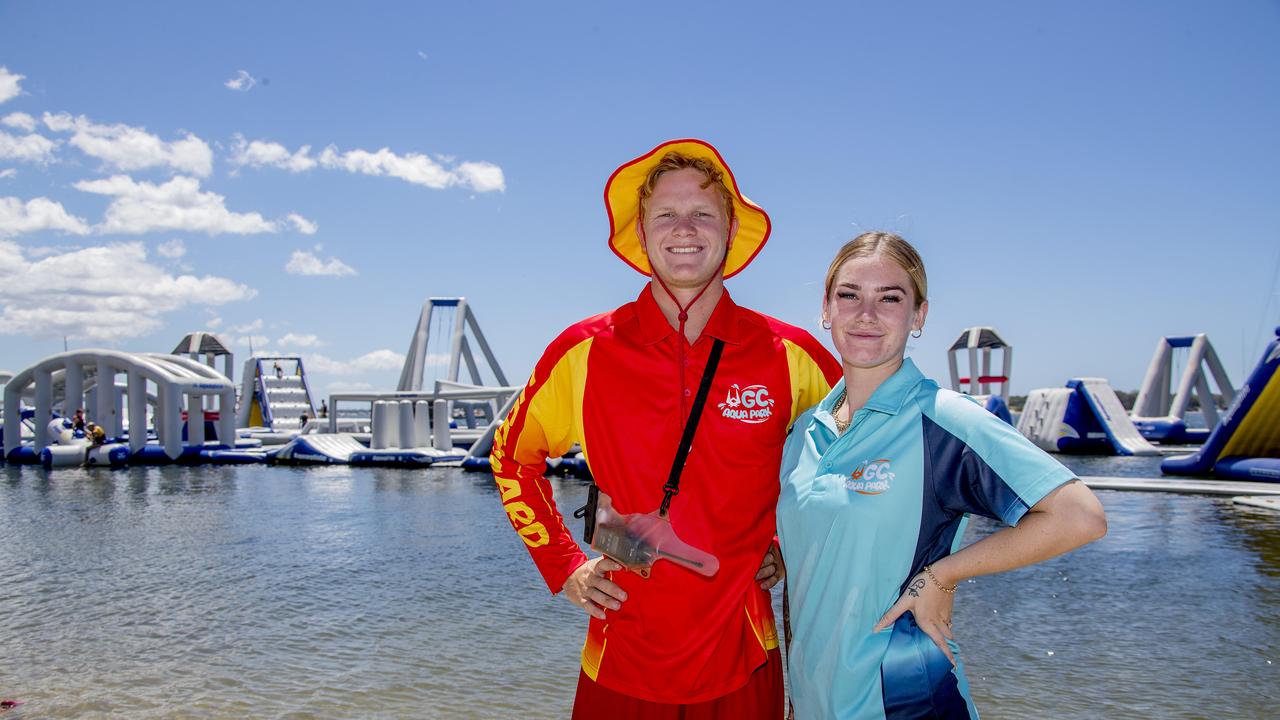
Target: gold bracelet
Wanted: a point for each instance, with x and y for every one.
(948, 590)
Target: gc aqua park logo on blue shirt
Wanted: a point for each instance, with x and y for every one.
(871, 477)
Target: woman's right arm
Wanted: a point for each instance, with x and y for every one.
(1063, 520)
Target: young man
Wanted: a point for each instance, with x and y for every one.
(674, 644)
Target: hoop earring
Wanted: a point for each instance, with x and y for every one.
(826, 324)
(917, 333)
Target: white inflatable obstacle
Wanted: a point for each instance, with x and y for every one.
(5, 377)
(412, 374)
(71, 448)
(1159, 412)
(423, 420)
(319, 449)
(991, 389)
(208, 347)
(402, 436)
(164, 387)
(1086, 416)
(411, 426)
(275, 394)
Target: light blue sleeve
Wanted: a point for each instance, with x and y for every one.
(1001, 473)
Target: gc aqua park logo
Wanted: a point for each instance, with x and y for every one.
(871, 477)
(751, 404)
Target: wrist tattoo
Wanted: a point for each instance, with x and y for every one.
(915, 587)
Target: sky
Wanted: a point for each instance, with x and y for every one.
(1086, 177)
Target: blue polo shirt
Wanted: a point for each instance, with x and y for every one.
(861, 513)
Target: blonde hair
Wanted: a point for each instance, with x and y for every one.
(679, 161)
(890, 246)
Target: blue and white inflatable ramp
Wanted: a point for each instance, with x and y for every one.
(1245, 445)
(320, 449)
(1110, 413)
(344, 449)
(1084, 417)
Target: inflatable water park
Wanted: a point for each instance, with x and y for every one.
(106, 408)
(1242, 443)
(88, 408)
(1086, 416)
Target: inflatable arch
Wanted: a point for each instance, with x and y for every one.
(415, 361)
(182, 384)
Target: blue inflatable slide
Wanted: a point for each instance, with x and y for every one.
(1246, 443)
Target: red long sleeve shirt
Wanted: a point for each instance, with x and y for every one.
(621, 384)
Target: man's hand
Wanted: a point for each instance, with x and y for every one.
(589, 589)
(771, 569)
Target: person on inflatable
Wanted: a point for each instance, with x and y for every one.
(878, 481)
(673, 639)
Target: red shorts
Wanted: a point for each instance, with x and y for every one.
(760, 699)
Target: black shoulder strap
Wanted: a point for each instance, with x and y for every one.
(690, 427)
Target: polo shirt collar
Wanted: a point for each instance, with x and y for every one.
(889, 398)
(654, 327)
(894, 392)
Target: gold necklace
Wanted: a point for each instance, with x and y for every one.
(841, 425)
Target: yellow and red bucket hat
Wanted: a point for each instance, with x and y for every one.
(622, 202)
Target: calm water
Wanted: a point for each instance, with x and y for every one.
(344, 592)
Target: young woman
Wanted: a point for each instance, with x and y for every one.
(877, 481)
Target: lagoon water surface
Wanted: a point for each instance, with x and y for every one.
(229, 592)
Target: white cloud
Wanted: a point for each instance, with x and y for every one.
(141, 207)
(369, 362)
(130, 148)
(21, 121)
(8, 173)
(37, 214)
(103, 293)
(344, 386)
(378, 360)
(172, 249)
(47, 250)
(303, 225)
(303, 262)
(482, 176)
(62, 122)
(214, 322)
(10, 84)
(299, 341)
(243, 82)
(252, 327)
(26, 148)
(268, 154)
(422, 55)
(415, 168)
(255, 341)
